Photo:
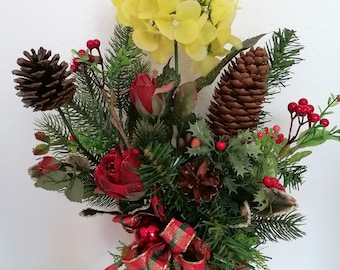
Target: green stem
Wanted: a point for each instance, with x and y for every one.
(176, 56)
(75, 138)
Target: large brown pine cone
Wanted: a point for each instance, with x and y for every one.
(43, 83)
(240, 94)
(199, 181)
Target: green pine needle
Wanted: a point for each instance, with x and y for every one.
(283, 52)
(279, 227)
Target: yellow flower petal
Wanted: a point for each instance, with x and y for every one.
(205, 66)
(145, 40)
(166, 26)
(165, 49)
(186, 31)
(208, 33)
(188, 10)
(196, 53)
(148, 9)
(167, 6)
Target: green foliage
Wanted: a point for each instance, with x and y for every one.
(146, 131)
(278, 227)
(292, 174)
(283, 52)
(123, 62)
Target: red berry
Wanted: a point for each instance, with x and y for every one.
(305, 109)
(90, 44)
(96, 43)
(267, 181)
(220, 145)
(291, 107)
(195, 142)
(91, 58)
(274, 181)
(324, 122)
(303, 101)
(74, 68)
(260, 134)
(338, 97)
(311, 108)
(298, 109)
(71, 138)
(276, 128)
(313, 117)
(76, 61)
(266, 129)
(281, 137)
(82, 52)
(280, 187)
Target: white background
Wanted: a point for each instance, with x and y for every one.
(41, 230)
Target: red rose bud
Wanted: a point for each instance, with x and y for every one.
(41, 136)
(48, 164)
(145, 95)
(116, 174)
(41, 149)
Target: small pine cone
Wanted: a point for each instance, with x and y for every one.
(199, 181)
(240, 94)
(42, 82)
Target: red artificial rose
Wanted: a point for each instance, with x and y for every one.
(116, 176)
(145, 95)
(48, 164)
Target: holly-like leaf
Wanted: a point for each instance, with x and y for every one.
(262, 199)
(55, 180)
(75, 190)
(168, 75)
(201, 131)
(199, 151)
(230, 185)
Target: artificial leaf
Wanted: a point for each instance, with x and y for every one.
(231, 185)
(55, 180)
(201, 131)
(75, 190)
(298, 156)
(185, 100)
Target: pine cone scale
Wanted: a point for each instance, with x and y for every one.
(240, 94)
(43, 83)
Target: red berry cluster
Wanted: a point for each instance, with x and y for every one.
(272, 133)
(303, 109)
(85, 56)
(272, 182)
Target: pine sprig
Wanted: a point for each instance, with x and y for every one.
(147, 132)
(53, 126)
(123, 62)
(283, 52)
(279, 227)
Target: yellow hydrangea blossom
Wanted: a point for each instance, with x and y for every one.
(203, 29)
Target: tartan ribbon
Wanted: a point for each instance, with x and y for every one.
(178, 241)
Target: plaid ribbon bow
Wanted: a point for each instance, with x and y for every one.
(178, 241)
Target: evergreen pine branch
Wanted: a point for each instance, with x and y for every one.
(147, 132)
(283, 52)
(53, 126)
(278, 227)
(123, 62)
(292, 174)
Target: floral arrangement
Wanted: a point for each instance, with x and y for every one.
(197, 191)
